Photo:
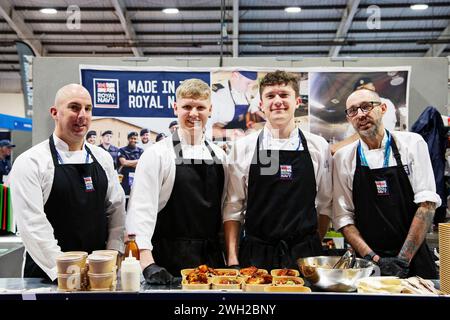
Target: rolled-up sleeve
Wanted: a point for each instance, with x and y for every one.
(423, 181)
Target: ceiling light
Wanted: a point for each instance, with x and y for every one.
(397, 81)
(419, 6)
(48, 10)
(170, 11)
(293, 9)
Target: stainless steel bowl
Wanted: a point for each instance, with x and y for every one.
(317, 270)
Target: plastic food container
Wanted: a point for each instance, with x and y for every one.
(69, 282)
(101, 263)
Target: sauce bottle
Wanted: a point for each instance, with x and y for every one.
(130, 274)
(132, 247)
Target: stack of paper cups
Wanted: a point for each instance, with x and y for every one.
(444, 254)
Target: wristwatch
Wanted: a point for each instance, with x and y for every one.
(370, 256)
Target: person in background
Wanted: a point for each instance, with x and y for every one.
(65, 193)
(384, 192)
(176, 203)
(107, 146)
(5, 162)
(280, 185)
(173, 126)
(128, 159)
(232, 102)
(160, 136)
(91, 136)
(145, 139)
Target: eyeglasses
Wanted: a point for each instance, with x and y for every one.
(365, 107)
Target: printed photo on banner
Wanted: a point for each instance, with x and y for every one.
(236, 102)
(329, 91)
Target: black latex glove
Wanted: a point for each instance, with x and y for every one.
(393, 266)
(235, 267)
(155, 274)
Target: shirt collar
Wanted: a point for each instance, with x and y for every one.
(184, 142)
(268, 135)
(62, 145)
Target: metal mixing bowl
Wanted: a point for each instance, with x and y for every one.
(317, 270)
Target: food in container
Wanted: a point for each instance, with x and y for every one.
(227, 283)
(284, 272)
(210, 272)
(196, 278)
(291, 281)
(257, 283)
(275, 288)
(226, 272)
(252, 271)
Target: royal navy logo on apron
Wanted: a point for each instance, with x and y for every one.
(285, 172)
(89, 185)
(382, 188)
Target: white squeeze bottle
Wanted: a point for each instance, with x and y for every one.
(130, 274)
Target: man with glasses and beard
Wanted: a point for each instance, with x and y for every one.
(384, 194)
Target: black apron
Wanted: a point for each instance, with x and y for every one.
(384, 210)
(75, 208)
(281, 219)
(187, 228)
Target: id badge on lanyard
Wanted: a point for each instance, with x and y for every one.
(381, 185)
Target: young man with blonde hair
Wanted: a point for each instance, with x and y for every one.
(176, 202)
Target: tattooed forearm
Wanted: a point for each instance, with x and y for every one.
(352, 235)
(419, 227)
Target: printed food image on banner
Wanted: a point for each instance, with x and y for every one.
(330, 88)
(236, 102)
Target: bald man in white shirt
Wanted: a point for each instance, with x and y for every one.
(384, 191)
(65, 193)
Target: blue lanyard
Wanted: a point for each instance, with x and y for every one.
(299, 140)
(60, 161)
(387, 152)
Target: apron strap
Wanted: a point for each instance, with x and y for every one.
(53, 150)
(397, 157)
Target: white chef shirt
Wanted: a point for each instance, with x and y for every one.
(31, 182)
(413, 152)
(153, 183)
(241, 156)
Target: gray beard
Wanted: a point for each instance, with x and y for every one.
(371, 132)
